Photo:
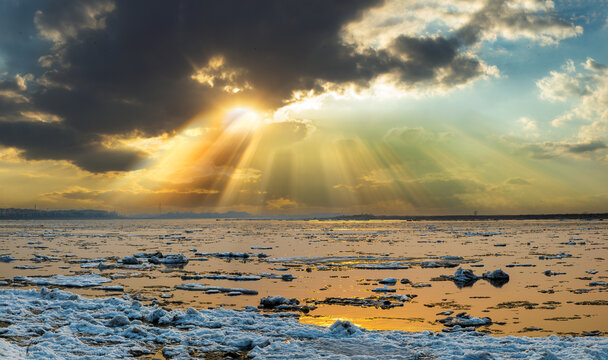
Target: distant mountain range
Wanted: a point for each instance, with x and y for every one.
(34, 214)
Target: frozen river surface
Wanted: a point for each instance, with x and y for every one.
(384, 275)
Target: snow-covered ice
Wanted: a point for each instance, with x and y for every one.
(57, 324)
(65, 280)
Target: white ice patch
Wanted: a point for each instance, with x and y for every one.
(66, 280)
(60, 325)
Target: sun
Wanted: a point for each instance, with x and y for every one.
(241, 120)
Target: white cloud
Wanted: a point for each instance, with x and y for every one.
(559, 86)
(587, 87)
(529, 126)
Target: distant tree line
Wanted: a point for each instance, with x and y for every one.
(31, 214)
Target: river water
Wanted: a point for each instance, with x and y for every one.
(340, 260)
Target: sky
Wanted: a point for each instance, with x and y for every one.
(295, 107)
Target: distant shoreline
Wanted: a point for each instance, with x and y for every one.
(594, 216)
(34, 214)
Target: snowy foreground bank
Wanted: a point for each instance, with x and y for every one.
(55, 324)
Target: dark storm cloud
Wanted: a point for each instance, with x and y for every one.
(586, 147)
(136, 73)
(127, 67)
(498, 15)
(53, 141)
(425, 56)
(119, 67)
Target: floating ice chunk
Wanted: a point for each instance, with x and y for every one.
(27, 267)
(112, 288)
(232, 255)
(485, 234)
(520, 265)
(7, 258)
(66, 280)
(270, 302)
(496, 275)
(287, 277)
(226, 277)
(465, 320)
(130, 260)
(43, 258)
(201, 287)
(437, 264)
(452, 258)
(553, 257)
(388, 281)
(446, 313)
(382, 266)
(464, 276)
(284, 277)
(170, 259)
(383, 289)
(421, 285)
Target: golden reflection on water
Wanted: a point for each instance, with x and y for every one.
(555, 311)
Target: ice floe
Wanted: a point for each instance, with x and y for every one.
(65, 280)
(215, 289)
(121, 328)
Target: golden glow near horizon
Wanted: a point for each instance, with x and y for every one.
(246, 160)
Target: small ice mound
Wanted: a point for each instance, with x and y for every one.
(344, 328)
(464, 320)
(464, 275)
(287, 277)
(496, 275)
(280, 303)
(154, 316)
(388, 281)
(130, 260)
(497, 278)
(271, 302)
(169, 259)
(119, 321)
